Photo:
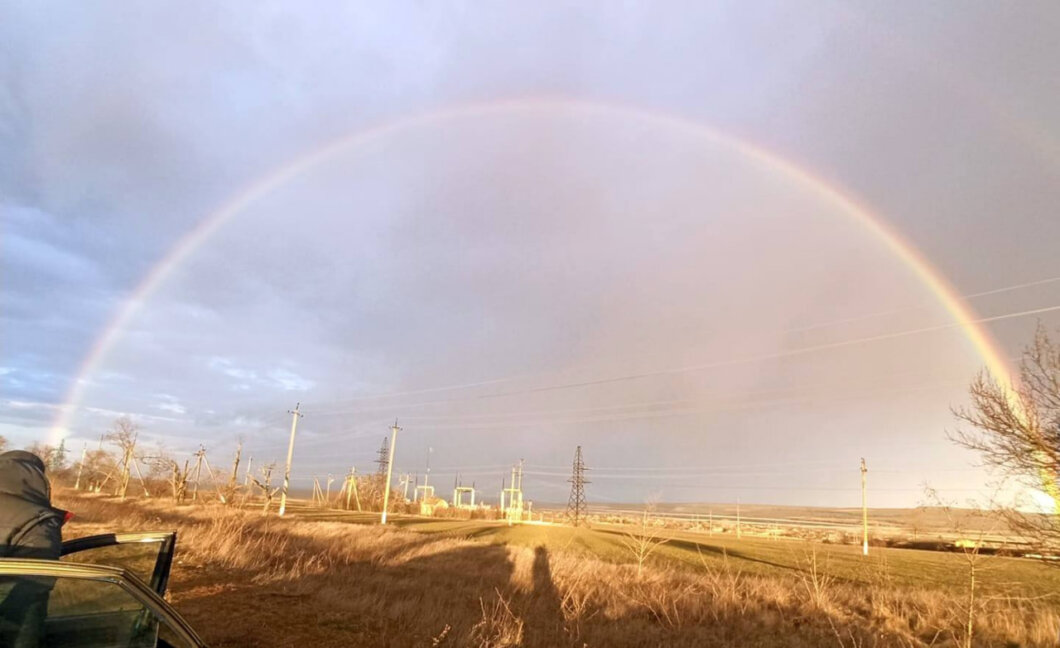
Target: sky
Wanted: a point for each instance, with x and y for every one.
(517, 230)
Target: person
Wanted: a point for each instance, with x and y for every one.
(30, 527)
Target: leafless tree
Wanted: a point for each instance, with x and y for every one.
(3, 444)
(100, 467)
(229, 492)
(1017, 430)
(265, 484)
(971, 534)
(54, 457)
(644, 539)
(162, 466)
(124, 434)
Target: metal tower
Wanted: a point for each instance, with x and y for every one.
(577, 510)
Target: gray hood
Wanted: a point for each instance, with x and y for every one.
(22, 476)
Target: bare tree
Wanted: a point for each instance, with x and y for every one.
(265, 484)
(163, 466)
(178, 480)
(101, 467)
(49, 454)
(229, 492)
(3, 444)
(644, 539)
(971, 536)
(124, 434)
(1016, 429)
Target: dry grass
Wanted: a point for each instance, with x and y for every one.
(245, 579)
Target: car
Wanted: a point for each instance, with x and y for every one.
(106, 592)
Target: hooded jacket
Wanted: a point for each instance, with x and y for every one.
(29, 524)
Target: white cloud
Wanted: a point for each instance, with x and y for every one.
(291, 381)
(228, 368)
(171, 404)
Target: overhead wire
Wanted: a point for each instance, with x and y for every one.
(720, 363)
(974, 295)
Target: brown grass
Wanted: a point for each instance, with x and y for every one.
(243, 579)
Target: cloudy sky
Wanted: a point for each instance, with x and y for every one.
(520, 230)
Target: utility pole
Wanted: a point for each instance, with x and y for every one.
(246, 482)
(213, 477)
(351, 485)
(404, 481)
(81, 466)
(577, 509)
(389, 469)
(235, 467)
(427, 477)
(864, 512)
(327, 498)
(59, 458)
(737, 518)
(140, 476)
(199, 454)
(317, 491)
(295, 415)
(520, 487)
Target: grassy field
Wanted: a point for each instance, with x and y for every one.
(336, 579)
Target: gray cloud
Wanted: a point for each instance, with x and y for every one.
(540, 249)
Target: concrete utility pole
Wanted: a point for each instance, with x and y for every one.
(404, 481)
(81, 466)
(295, 415)
(864, 512)
(199, 454)
(737, 518)
(427, 477)
(235, 467)
(389, 470)
(350, 485)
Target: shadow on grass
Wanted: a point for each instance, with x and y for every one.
(710, 549)
(448, 596)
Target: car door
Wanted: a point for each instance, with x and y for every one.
(70, 605)
(148, 556)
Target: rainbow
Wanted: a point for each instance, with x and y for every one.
(905, 252)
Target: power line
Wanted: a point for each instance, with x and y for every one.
(493, 381)
(722, 363)
(794, 330)
(975, 295)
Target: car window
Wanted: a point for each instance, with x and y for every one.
(61, 612)
(138, 558)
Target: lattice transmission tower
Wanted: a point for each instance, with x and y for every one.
(577, 510)
(383, 460)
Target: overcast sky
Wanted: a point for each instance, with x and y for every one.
(540, 212)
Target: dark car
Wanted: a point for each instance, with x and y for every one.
(106, 592)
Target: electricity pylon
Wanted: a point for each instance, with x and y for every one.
(577, 510)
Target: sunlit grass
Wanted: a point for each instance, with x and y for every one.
(247, 579)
